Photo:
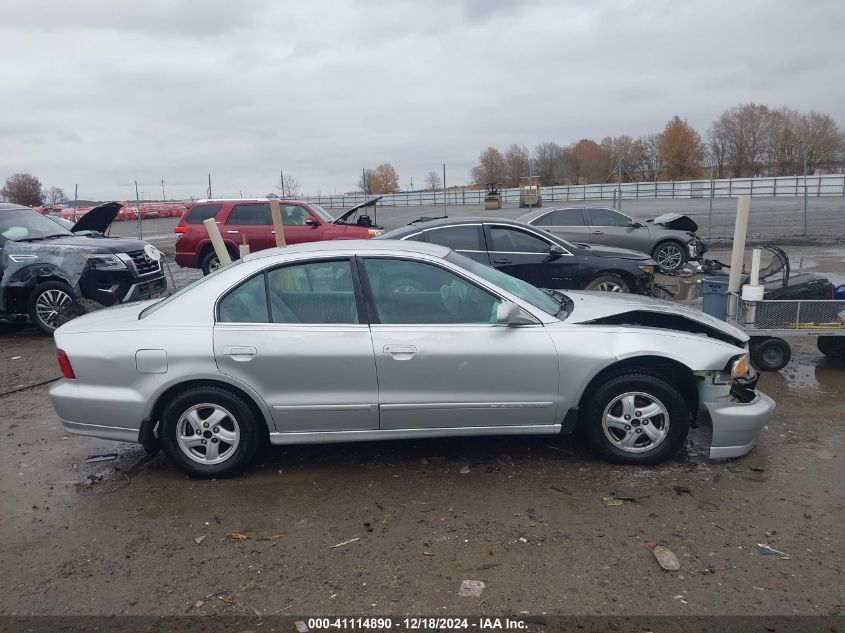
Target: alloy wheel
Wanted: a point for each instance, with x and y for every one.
(635, 422)
(669, 257)
(609, 286)
(208, 433)
(49, 305)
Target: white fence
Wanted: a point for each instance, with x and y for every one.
(786, 186)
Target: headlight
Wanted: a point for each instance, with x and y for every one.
(374, 232)
(646, 269)
(741, 367)
(105, 262)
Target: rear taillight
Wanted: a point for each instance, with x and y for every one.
(180, 229)
(64, 364)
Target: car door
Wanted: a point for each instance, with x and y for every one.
(247, 223)
(300, 224)
(569, 223)
(609, 227)
(528, 255)
(295, 334)
(443, 361)
(466, 239)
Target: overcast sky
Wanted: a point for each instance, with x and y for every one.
(103, 93)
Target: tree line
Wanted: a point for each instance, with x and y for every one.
(26, 189)
(746, 140)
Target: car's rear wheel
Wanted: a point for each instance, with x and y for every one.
(210, 263)
(608, 283)
(210, 432)
(635, 418)
(833, 346)
(670, 256)
(46, 304)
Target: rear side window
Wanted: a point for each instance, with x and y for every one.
(607, 217)
(249, 214)
(565, 217)
(245, 304)
(458, 238)
(317, 292)
(201, 212)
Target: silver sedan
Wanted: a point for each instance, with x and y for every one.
(366, 340)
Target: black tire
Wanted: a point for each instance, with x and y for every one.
(50, 293)
(673, 254)
(251, 432)
(633, 381)
(833, 346)
(608, 283)
(209, 262)
(769, 353)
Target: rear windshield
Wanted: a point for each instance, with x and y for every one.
(201, 212)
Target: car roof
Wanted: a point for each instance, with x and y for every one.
(10, 206)
(423, 226)
(353, 246)
(247, 200)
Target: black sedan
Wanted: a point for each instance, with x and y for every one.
(535, 256)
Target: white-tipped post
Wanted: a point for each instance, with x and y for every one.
(217, 241)
(738, 253)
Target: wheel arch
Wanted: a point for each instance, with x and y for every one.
(672, 371)
(669, 240)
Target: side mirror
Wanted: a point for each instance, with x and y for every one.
(509, 313)
(312, 222)
(556, 249)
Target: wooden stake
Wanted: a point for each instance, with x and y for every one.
(278, 227)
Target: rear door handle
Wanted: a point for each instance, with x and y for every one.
(240, 353)
(400, 352)
(232, 232)
(502, 261)
(598, 232)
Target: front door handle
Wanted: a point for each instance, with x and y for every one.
(232, 232)
(502, 261)
(400, 352)
(598, 232)
(240, 353)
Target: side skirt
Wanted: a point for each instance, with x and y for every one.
(322, 437)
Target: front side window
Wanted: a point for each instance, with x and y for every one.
(508, 240)
(317, 293)
(607, 217)
(246, 303)
(459, 238)
(566, 217)
(411, 292)
(294, 215)
(249, 214)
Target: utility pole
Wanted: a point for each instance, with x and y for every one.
(710, 209)
(75, 199)
(209, 186)
(619, 187)
(138, 211)
(805, 192)
(163, 196)
(444, 190)
(282, 181)
(365, 183)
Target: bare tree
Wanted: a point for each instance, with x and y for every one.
(622, 155)
(718, 149)
(746, 129)
(289, 187)
(490, 168)
(646, 161)
(785, 147)
(365, 185)
(23, 189)
(432, 181)
(516, 164)
(55, 195)
(548, 159)
(821, 139)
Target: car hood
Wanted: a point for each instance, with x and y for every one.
(75, 243)
(676, 222)
(98, 218)
(612, 251)
(640, 311)
(341, 219)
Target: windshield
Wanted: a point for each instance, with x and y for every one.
(21, 225)
(549, 303)
(325, 215)
(160, 304)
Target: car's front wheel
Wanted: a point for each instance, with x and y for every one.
(210, 432)
(608, 283)
(635, 418)
(670, 256)
(46, 304)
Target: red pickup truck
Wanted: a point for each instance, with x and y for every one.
(249, 222)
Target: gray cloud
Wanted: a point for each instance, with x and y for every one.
(102, 93)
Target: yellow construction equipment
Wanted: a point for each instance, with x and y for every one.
(493, 197)
(529, 192)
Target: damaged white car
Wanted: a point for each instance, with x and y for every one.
(368, 340)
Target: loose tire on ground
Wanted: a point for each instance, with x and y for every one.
(608, 283)
(210, 432)
(632, 392)
(770, 353)
(670, 256)
(46, 303)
